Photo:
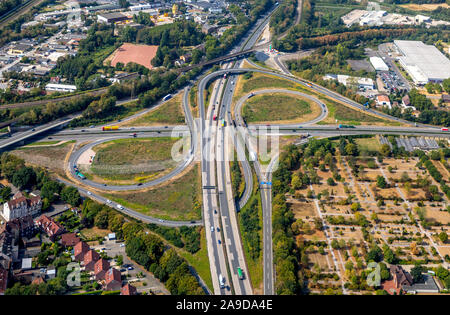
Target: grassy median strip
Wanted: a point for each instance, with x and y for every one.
(279, 107)
(178, 200)
(169, 113)
(135, 159)
(250, 225)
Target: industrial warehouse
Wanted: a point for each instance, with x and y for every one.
(424, 63)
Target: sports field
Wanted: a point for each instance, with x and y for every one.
(140, 54)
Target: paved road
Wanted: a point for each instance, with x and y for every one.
(212, 214)
(188, 158)
(21, 136)
(323, 109)
(321, 90)
(265, 190)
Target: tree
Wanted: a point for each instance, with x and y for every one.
(381, 182)
(5, 193)
(355, 206)
(330, 181)
(416, 273)
(296, 182)
(24, 178)
(50, 190)
(351, 149)
(443, 237)
(375, 254)
(446, 85)
(101, 219)
(71, 195)
(385, 150)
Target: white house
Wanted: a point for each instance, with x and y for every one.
(383, 100)
(20, 206)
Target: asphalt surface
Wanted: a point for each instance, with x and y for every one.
(265, 190)
(233, 247)
(21, 136)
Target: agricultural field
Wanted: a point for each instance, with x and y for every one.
(424, 7)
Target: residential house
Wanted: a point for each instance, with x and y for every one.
(20, 206)
(23, 227)
(89, 260)
(50, 227)
(399, 278)
(80, 250)
(128, 289)
(69, 239)
(383, 100)
(100, 269)
(113, 280)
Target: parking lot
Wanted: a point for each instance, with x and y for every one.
(391, 81)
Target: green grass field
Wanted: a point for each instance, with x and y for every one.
(178, 200)
(168, 113)
(275, 107)
(262, 81)
(348, 115)
(368, 144)
(132, 159)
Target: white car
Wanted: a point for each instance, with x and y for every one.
(89, 193)
(119, 207)
(108, 201)
(212, 228)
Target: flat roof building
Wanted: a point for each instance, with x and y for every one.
(111, 17)
(424, 63)
(378, 64)
(60, 87)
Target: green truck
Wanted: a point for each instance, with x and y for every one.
(240, 274)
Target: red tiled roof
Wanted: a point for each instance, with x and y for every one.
(382, 98)
(112, 275)
(80, 247)
(50, 226)
(19, 200)
(101, 265)
(69, 239)
(128, 289)
(90, 256)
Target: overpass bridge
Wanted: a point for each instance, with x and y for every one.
(218, 59)
(21, 137)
